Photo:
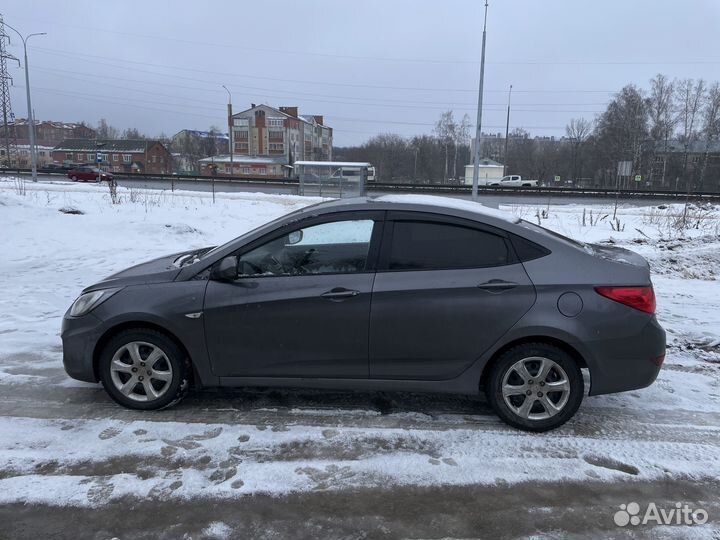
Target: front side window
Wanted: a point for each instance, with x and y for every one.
(339, 247)
(418, 245)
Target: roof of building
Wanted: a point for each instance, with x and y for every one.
(107, 145)
(64, 125)
(676, 146)
(332, 164)
(251, 160)
(203, 134)
(487, 162)
(307, 118)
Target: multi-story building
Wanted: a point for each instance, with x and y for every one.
(266, 131)
(22, 158)
(49, 133)
(117, 155)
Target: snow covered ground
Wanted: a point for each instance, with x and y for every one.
(64, 444)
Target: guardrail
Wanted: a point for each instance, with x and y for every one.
(605, 193)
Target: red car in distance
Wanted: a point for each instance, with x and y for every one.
(88, 174)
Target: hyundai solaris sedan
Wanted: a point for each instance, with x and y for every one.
(395, 293)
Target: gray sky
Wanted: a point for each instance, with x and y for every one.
(369, 67)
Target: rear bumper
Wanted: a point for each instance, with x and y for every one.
(79, 336)
(621, 365)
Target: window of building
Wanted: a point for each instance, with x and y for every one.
(127, 158)
(115, 157)
(262, 171)
(418, 245)
(275, 122)
(241, 133)
(276, 134)
(241, 122)
(90, 157)
(241, 147)
(68, 156)
(154, 159)
(339, 247)
(244, 170)
(277, 147)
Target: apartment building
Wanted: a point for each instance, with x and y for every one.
(283, 133)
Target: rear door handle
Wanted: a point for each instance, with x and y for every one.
(339, 293)
(497, 285)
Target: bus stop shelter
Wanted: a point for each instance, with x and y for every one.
(332, 178)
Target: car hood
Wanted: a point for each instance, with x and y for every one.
(158, 270)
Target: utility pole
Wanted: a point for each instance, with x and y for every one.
(478, 126)
(507, 135)
(31, 119)
(8, 134)
(230, 130)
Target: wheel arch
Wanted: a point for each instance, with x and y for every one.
(549, 340)
(138, 325)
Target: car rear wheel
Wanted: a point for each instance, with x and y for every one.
(144, 369)
(74, 178)
(535, 387)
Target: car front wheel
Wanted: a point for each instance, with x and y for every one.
(535, 387)
(144, 369)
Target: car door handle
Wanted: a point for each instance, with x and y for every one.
(339, 293)
(497, 285)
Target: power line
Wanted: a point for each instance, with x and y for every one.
(104, 61)
(296, 52)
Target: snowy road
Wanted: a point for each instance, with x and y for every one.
(277, 463)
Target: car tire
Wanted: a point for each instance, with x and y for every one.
(508, 385)
(74, 178)
(128, 354)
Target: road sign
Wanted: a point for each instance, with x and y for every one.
(99, 157)
(624, 168)
(557, 178)
(638, 178)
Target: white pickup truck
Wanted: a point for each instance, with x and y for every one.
(513, 180)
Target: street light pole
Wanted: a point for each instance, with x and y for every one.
(478, 126)
(230, 130)
(507, 134)
(31, 120)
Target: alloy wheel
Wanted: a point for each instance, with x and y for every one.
(535, 388)
(141, 371)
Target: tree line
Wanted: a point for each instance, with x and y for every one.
(667, 135)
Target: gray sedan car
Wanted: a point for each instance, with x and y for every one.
(405, 293)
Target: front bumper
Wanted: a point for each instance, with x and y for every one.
(621, 365)
(79, 336)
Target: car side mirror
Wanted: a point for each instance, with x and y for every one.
(226, 269)
(295, 237)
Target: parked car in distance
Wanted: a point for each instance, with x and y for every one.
(400, 292)
(88, 174)
(514, 180)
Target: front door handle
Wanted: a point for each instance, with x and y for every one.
(497, 285)
(339, 293)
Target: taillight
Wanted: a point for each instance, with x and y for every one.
(641, 298)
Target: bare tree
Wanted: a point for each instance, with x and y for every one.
(662, 118)
(710, 124)
(461, 134)
(106, 131)
(444, 130)
(690, 96)
(577, 132)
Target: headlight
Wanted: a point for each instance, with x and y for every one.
(89, 301)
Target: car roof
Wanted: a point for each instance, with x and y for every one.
(416, 203)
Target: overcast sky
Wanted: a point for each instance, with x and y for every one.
(371, 66)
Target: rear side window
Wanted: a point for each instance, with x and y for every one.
(418, 245)
(527, 250)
